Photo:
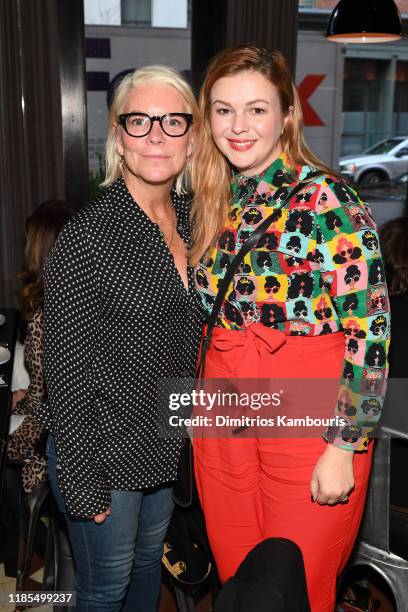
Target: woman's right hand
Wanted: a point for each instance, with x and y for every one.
(333, 477)
(18, 396)
(100, 518)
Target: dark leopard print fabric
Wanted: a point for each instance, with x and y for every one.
(27, 443)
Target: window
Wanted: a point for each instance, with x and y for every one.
(384, 147)
(401, 88)
(362, 85)
(136, 12)
(145, 13)
(400, 115)
(363, 79)
(360, 100)
(189, 12)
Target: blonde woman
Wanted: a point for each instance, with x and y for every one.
(120, 315)
(312, 284)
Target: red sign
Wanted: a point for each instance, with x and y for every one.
(306, 88)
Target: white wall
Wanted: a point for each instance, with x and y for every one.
(317, 56)
(169, 13)
(102, 12)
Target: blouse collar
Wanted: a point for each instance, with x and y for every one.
(279, 174)
(125, 202)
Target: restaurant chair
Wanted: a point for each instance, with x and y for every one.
(30, 515)
(59, 573)
(373, 546)
(8, 334)
(185, 602)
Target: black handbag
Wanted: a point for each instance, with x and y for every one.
(183, 490)
(186, 552)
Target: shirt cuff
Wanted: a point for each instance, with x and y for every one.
(333, 435)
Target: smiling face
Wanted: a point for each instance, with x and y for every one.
(154, 159)
(247, 121)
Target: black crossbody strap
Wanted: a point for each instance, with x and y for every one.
(250, 243)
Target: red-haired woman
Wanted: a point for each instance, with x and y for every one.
(250, 154)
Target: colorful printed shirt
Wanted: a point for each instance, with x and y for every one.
(317, 270)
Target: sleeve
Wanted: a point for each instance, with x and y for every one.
(33, 358)
(353, 275)
(25, 443)
(71, 312)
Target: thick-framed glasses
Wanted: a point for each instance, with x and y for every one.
(140, 124)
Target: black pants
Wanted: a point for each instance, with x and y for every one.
(271, 578)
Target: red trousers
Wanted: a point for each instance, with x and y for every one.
(255, 488)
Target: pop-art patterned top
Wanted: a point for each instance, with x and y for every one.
(317, 270)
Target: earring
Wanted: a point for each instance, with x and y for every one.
(183, 180)
(121, 164)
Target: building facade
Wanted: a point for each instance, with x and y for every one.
(352, 95)
(330, 4)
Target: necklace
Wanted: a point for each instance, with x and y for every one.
(165, 238)
(168, 237)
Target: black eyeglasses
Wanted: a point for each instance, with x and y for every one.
(140, 124)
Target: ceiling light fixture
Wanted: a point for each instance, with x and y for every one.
(364, 21)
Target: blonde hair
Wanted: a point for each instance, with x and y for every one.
(158, 75)
(211, 173)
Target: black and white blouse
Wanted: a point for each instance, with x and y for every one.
(117, 319)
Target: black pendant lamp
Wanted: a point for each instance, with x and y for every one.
(364, 21)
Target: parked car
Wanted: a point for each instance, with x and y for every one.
(384, 161)
(395, 189)
(387, 200)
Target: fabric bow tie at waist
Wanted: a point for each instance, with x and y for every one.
(249, 347)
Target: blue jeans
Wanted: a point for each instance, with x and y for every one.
(118, 562)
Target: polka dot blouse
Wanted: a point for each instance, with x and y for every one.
(117, 319)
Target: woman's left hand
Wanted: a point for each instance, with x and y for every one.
(333, 476)
(101, 518)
